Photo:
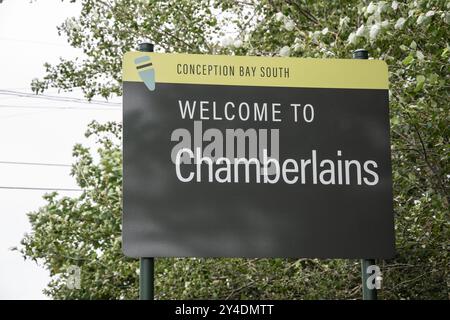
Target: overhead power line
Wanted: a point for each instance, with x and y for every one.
(57, 98)
(10, 106)
(39, 189)
(33, 41)
(36, 163)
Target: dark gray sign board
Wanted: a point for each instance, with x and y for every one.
(256, 157)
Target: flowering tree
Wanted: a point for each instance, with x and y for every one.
(411, 36)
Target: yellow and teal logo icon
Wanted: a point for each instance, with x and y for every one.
(146, 71)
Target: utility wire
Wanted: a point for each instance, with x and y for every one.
(33, 41)
(37, 163)
(10, 106)
(57, 98)
(22, 114)
(39, 189)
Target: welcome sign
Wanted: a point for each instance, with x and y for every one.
(256, 157)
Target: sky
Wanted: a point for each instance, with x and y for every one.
(35, 130)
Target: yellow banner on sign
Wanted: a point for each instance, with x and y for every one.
(154, 68)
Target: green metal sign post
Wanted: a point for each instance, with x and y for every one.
(146, 279)
(147, 265)
(368, 293)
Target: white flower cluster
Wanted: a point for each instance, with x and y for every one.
(425, 18)
(72, 24)
(371, 8)
(378, 8)
(288, 23)
(343, 22)
(374, 24)
(399, 24)
(394, 5)
(371, 32)
(374, 30)
(420, 55)
(298, 45)
(317, 34)
(285, 51)
(228, 41)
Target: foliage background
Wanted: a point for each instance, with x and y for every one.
(411, 36)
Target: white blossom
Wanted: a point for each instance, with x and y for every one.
(446, 17)
(374, 30)
(289, 25)
(371, 8)
(385, 23)
(324, 31)
(399, 24)
(420, 55)
(285, 51)
(315, 36)
(94, 15)
(99, 252)
(394, 5)
(420, 19)
(429, 13)
(352, 38)
(72, 24)
(360, 31)
(297, 46)
(279, 16)
(237, 43)
(380, 8)
(227, 41)
(343, 21)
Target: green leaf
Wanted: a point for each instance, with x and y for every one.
(420, 81)
(408, 60)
